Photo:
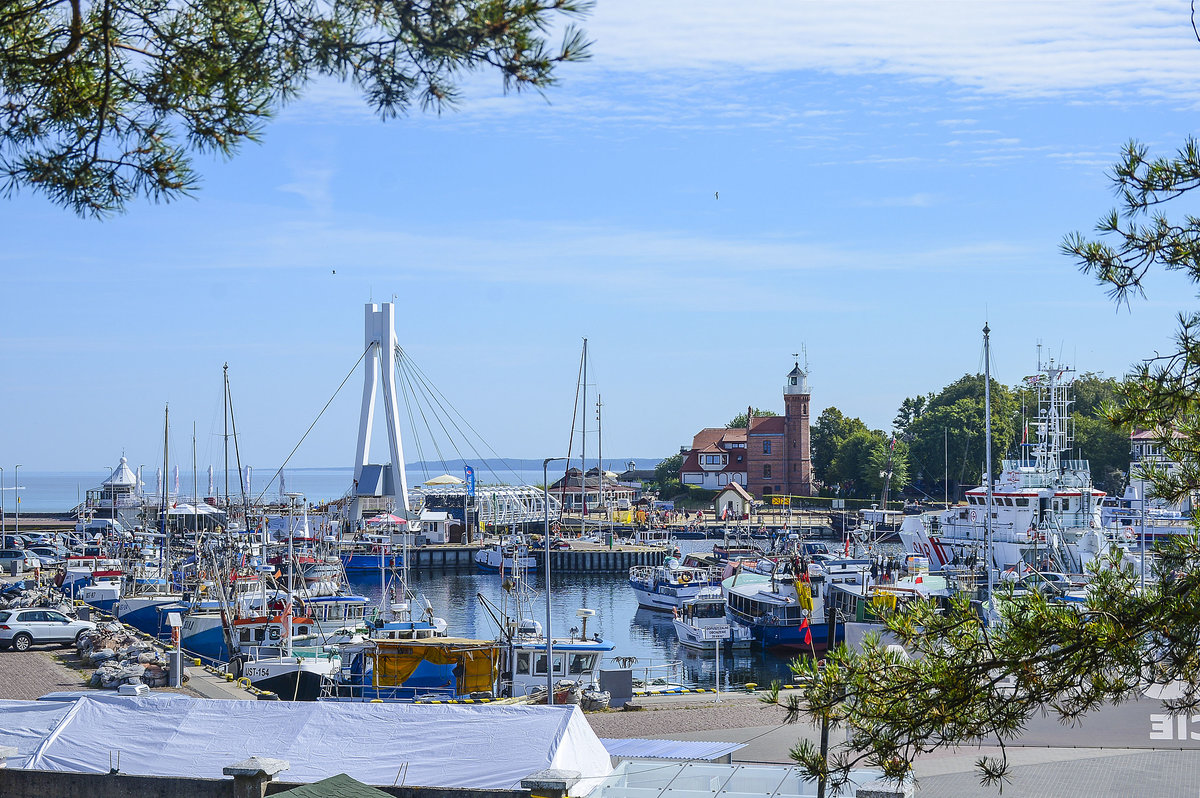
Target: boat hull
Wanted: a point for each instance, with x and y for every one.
(143, 613)
(493, 565)
(664, 602)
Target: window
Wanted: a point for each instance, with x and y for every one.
(1022, 502)
(581, 663)
(523, 663)
(767, 471)
(766, 447)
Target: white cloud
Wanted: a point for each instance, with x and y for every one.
(1016, 47)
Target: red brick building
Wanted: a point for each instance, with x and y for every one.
(772, 457)
(778, 453)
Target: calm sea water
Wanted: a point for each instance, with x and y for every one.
(649, 636)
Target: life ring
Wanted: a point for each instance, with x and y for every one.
(685, 578)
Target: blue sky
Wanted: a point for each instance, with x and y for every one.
(890, 175)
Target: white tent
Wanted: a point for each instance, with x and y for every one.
(474, 747)
(446, 479)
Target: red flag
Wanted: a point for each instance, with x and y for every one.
(804, 627)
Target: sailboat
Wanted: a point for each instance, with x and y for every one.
(147, 593)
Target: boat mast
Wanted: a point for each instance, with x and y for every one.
(165, 564)
(987, 401)
(600, 456)
(225, 371)
(583, 455)
(195, 495)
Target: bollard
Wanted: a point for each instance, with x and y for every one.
(251, 777)
(176, 668)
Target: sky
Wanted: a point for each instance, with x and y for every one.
(721, 186)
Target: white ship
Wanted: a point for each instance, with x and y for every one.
(1044, 511)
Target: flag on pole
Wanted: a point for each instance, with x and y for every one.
(177, 479)
(210, 481)
(804, 627)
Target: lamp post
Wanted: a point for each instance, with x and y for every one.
(3, 519)
(17, 502)
(546, 539)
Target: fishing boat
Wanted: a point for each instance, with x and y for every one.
(102, 590)
(666, 587)
(787, 609)
(507, 555)
(707, 612)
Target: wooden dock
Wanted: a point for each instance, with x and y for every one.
(577, 560)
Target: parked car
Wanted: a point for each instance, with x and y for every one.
(50, 555)
(28, 560)
(24, 627)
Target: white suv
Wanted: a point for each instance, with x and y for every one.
(24, 627)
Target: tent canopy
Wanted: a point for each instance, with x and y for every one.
(446, 479)
(444, 746)
(386, 518)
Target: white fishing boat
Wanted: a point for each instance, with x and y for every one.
(666, 587)
(703, 616)
(507, 555)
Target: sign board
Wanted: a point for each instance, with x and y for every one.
(781, 501)
(839, 504)
(722, 632)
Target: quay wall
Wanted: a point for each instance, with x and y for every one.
(568, 561)
(17, 783)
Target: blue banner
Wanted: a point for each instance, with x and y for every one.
(470, 472)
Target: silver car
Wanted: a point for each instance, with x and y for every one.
(24, 627)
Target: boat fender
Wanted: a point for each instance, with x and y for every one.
(235, 666)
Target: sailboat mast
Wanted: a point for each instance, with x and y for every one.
(987, 401)
(583, 454)
(600, 454)
(225, 372)
(195, 492)
(165, 563)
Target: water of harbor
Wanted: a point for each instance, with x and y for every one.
(647, 635)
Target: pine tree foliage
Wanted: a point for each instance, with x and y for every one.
(105, 101)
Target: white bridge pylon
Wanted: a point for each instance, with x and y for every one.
(380, 364)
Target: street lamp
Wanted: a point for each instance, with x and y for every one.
(3, 519)
(17, 501)
(549, 643)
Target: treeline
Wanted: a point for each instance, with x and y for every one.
(942, 434)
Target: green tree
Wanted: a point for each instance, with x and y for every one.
(951, 429)
(827, 435)
(742, 420)
(861, 458)
(108, 100)
(910, 410)
(666, 473)
(887, 457)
